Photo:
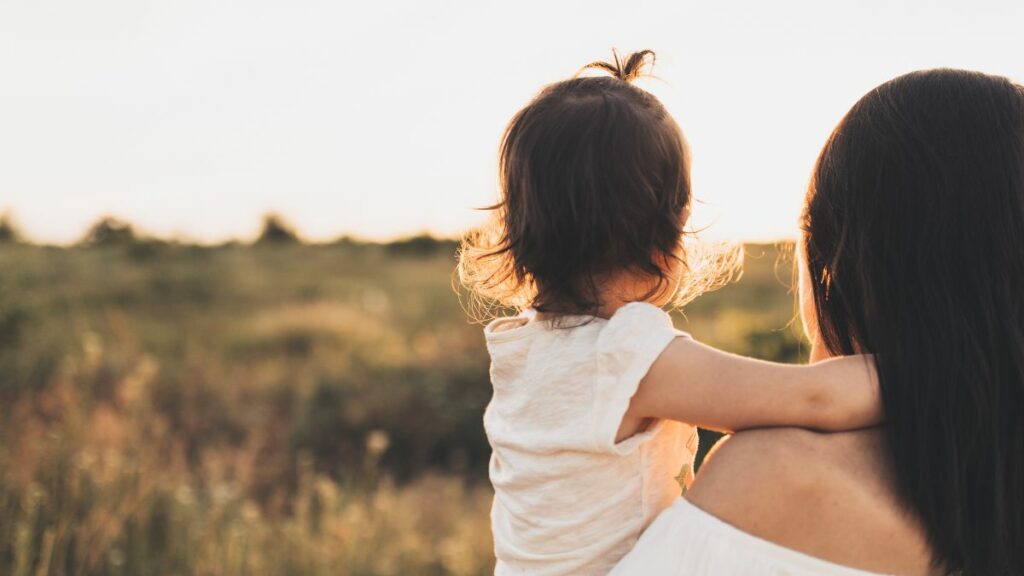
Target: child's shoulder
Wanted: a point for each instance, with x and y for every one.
(637, 325)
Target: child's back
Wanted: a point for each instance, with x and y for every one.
(589, 234)
(595, 180)
(568, 498)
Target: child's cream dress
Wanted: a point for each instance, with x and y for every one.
(568, 499)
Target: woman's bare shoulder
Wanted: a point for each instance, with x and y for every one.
(751, 479)
(827, 495)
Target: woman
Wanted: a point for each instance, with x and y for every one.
(913, 251)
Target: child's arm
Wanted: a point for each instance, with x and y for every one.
(698, 384)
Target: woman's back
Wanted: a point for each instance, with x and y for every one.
(913, 251)
(787, 501)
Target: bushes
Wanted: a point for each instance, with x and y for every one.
(109, 231)
(276, 231)
(10, 233)
(429, 417)
(421, 245)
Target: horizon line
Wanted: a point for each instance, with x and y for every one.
(10, 224)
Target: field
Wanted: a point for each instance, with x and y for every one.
(276, 408)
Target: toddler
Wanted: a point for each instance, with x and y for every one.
(596, 394)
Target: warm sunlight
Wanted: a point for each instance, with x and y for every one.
(380, 119)
(250, 324)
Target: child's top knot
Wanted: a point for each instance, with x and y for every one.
(632, 69)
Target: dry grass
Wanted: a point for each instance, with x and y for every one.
(105, 488)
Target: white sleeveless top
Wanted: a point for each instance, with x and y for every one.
(687, 541)
(568, 499)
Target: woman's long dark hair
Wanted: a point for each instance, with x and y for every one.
(914, 239)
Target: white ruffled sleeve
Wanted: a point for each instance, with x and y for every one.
(628, 345)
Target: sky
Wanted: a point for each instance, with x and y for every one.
(193, 118)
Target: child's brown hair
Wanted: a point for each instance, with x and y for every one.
(595, 179)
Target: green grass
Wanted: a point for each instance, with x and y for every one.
(268, 409)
